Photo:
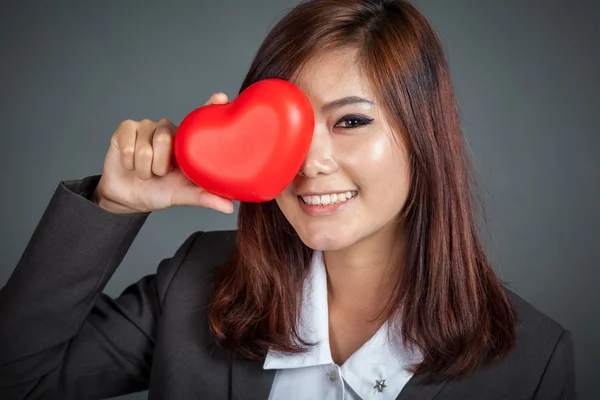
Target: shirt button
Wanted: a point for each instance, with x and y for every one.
(333, 375)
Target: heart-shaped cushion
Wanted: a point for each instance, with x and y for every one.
(251, 148)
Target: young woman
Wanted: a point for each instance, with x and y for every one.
(363, 279)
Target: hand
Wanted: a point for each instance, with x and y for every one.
(141, 173)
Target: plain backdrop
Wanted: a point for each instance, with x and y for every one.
(527, 78)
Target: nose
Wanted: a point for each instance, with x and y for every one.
(319, 160)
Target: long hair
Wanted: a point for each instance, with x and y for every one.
(450, 303)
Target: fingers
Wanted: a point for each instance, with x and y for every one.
(162, 143)
(146, 147)
(124, 139)
(144, 153)
(196, 196)
(217, 98)
(211, 200)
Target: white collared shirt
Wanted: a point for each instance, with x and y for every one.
(313, 375)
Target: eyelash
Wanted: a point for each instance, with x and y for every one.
(362, 121)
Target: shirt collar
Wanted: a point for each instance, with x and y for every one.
(378, 352)
(314, 323)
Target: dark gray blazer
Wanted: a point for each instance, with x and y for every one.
(62, 338)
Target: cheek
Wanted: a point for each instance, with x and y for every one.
(288, 204)
(379, 167)
(381, 170)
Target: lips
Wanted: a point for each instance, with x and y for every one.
(322, 210)
(328, 198)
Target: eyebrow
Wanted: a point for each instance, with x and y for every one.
(344, 101)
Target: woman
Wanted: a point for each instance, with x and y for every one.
(363, 279)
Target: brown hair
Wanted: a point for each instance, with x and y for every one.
(452, 307)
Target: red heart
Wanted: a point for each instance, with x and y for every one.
(250, 149)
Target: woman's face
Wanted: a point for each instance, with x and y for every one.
(355, 179)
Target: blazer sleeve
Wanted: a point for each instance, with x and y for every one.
(558, 379)
(61, 337)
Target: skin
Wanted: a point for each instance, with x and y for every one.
(358, 240)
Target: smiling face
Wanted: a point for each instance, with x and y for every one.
(356, 178)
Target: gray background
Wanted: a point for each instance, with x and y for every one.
(527, 77)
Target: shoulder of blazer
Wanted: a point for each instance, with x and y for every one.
(212, 248)
(532, 324)
(195, 261)
(537, 337)
(537, 334)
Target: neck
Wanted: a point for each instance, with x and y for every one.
(360, 278)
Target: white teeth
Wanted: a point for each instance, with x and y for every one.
(326, 199)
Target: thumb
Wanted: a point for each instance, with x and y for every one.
(198, 197)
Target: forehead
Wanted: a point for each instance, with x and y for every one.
(331, 76)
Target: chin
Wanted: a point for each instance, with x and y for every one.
(324, 240)
(329, 233)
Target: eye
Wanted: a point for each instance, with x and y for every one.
(354, 121)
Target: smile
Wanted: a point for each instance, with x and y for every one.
(326, 204)
(326, 199)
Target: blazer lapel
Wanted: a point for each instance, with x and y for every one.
(417, 389)
(249, 381)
